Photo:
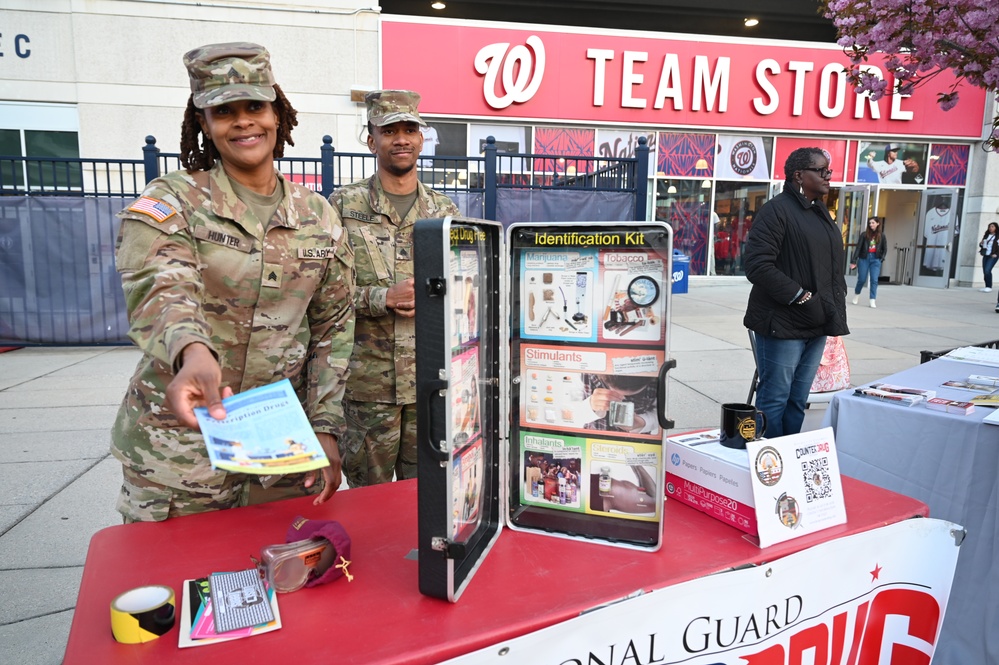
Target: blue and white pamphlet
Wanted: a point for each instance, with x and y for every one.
(265, 432)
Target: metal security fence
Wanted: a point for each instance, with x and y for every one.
(484, 174)
(52, 176)
(58, 223)
(58, 283)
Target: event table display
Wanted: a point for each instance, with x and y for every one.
(528, 582)
(572, 409)
(949, 461)
(524, 421)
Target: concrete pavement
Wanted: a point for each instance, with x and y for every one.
(58, 482)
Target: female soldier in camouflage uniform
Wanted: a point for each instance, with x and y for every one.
(234, 277)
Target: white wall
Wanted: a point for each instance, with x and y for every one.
(119, 62)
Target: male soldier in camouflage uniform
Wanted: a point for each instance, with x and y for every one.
(379, 214)
(233, 277)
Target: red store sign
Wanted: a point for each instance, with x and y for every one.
(532, 72)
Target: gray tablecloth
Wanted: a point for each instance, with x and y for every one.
(949, 462)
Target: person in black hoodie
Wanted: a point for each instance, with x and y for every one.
(794, 258)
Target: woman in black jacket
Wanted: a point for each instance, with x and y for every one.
(794, 257)
(867, 257)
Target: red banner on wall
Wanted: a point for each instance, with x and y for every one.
(489, 70)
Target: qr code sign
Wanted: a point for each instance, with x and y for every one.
(815, 473)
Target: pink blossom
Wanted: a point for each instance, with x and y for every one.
(948, 101)
(920, 38)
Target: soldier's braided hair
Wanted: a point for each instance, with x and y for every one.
(198, 153)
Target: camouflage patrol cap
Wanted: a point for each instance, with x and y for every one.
(388, 106)
(222, 73)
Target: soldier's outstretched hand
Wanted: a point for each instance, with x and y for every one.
(197, 384)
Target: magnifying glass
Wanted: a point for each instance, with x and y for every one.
(643, 291)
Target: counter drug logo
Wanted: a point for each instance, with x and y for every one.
(526, 62)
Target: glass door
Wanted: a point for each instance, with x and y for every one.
(938, 213)
(852, 210)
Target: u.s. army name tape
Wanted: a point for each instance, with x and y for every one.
(142, 614)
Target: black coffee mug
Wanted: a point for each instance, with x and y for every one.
(741, 423)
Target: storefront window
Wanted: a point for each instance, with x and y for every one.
(685, 206)
(735, 205)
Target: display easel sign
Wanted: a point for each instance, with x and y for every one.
(797, 488)
(546, 357)
(589, 307)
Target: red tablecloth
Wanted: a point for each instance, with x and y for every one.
(527, 581)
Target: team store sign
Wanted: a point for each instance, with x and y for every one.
(874, 598)
(478, 71)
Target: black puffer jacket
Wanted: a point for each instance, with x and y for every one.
(795, 246)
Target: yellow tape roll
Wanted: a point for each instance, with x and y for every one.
(142, 614)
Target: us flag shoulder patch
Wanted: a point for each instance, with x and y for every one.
(154, 208)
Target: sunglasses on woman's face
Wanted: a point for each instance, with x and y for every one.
(824, 173)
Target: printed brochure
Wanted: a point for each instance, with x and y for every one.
(265, 431)
(197, 624)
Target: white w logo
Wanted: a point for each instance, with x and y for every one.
(490, 60)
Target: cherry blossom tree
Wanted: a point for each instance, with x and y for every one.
(920, 39)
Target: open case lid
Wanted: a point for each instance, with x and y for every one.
(589, 318)
(459, 341)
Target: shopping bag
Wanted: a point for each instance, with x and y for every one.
(834, 369)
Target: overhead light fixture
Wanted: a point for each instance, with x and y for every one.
(705, 184)
(751, 22)
(671, 189)
(438, 5)
(701, 165)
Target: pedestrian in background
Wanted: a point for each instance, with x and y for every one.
(867, 258)
(989, 249)
(794, 258)
(234, 278)
(379, 214)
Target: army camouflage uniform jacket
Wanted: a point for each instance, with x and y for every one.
(383, 365)
(272, 301)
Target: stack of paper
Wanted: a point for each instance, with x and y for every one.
(984, 380)
(974, 354)
(902, 399)
(905, 390)
(980, 388)
(950, 406)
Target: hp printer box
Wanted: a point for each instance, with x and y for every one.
(710, 477)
